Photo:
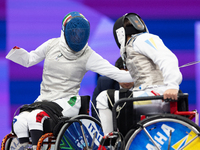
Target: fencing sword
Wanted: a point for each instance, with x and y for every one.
(190, 64)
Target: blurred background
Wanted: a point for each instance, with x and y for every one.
(28, 24)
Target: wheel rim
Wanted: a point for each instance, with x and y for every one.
(159, 130)
(71, 137)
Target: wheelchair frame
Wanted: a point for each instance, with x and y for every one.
(173, 107)
(115, 137)
(51, 139)
(173, 110)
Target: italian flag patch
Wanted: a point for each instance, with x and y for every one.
(72, 101)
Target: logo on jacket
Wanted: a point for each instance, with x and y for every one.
(151, 42)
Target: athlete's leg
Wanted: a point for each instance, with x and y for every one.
(104, 111)
(35, 124)
(20, 128)
(106, 120)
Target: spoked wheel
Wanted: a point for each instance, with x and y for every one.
(13, 144)
(73, 136)
(164, 132)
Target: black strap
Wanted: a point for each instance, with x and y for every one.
(85, 100)
(51, 108)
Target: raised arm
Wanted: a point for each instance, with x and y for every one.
(25, 58)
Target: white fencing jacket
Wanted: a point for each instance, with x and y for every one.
(154, 69)
(63, 68)
(150, 62)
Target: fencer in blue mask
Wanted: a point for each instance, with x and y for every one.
(76, 31)
(66, 60)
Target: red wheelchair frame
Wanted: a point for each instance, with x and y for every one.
(173, 110)
(173, 107)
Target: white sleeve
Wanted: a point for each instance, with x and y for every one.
(27, 59)
(153, 47)
(101, 66)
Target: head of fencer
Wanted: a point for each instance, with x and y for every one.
(76, 30)
(128, 25)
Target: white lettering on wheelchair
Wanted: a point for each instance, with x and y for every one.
(160, 138)
(80, 142)
(94, 130)
(167, 129)
(150, 147)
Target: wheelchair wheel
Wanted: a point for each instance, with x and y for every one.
(164, 132)
(13, 144)
(71, 136)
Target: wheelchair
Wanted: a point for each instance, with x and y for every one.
(81, 132)
(171, 131)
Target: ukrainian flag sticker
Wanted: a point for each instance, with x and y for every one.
(151, 43)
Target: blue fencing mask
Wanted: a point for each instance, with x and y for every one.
(76, 30)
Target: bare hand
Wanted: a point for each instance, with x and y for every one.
(171, 94)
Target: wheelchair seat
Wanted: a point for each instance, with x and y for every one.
(50, 126)
(51, 129)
